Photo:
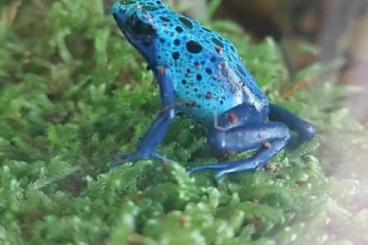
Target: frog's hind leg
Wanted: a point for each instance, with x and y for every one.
(305, 130)
(266, 138)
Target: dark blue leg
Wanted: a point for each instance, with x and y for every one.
(304, 129)
(260, 160)
(267, 138)
(147, 147)
(160, 127)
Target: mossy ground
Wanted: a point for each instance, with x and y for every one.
(74, 97)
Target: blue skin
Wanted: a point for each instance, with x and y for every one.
(200, 74)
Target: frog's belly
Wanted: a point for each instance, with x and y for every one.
(205, 107)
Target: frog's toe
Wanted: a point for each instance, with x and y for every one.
(131, 158)
(220, 175)
(206, 167)
(122, 161)
(164, 160)
(138, 156)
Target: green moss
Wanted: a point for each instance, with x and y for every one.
(74, 97)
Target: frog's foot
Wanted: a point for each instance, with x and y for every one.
(138, 156)
(305, 130)
(267, 139)
(250, 165)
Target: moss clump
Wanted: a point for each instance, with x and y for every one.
(74, 97)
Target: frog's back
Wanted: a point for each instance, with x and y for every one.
(209, 76)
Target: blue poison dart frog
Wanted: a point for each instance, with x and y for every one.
(200, 74)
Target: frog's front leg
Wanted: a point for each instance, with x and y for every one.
(160, 127)
(264, 137)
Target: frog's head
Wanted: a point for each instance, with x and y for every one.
(136, 19)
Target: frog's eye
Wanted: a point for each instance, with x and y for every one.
(140, 28)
